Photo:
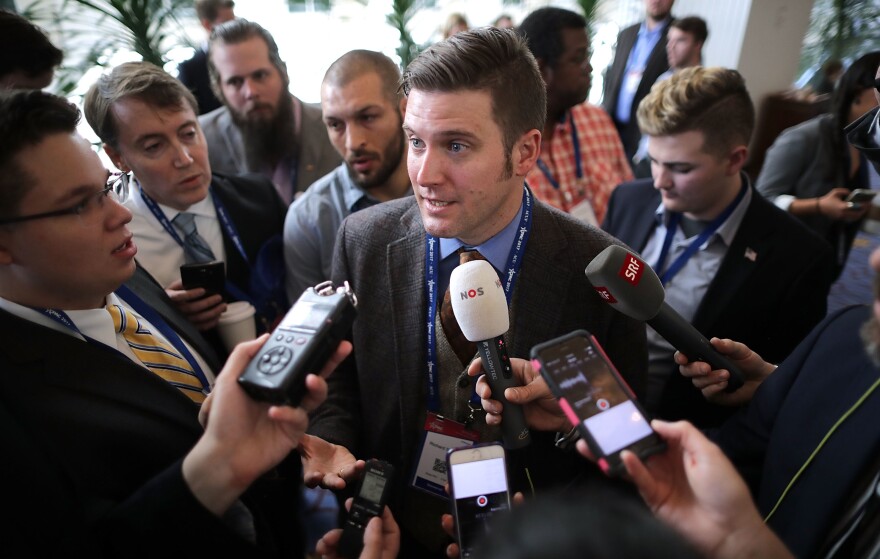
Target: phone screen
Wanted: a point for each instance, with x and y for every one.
(480, 489)
(592, 393)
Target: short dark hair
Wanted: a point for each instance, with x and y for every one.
(139, 80)
(542, 30)
(27, 117)
(238, 31)
(25, 47)
(356, 63)
(694, 25)
(490, 59)
(209, 9)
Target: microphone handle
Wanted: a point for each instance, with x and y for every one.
(688, 340)
(499, 375)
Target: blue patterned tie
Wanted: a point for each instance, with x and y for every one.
(195, 249)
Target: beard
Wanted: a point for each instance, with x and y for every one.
(390, 157)
(267, 142)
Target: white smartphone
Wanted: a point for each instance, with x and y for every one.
(479, 491)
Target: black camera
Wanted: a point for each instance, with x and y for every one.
(301, 344)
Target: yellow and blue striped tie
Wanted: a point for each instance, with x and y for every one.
(157, 355)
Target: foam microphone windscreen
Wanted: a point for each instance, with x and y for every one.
(478, 301)
(626, 283)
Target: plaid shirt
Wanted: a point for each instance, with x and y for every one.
(603, 162)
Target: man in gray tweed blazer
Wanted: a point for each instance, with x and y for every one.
(476, 106)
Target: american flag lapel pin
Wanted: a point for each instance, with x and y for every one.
(751, 254)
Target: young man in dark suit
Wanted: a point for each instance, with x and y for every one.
(475, 111)
(148, 123)
(732, 263)
(101, 444)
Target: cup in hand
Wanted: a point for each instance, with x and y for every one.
(237, 324)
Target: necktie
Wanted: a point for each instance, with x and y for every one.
(463, 348)
(195, 249)
(157, 355)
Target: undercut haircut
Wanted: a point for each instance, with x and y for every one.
(489, 59)
(713, 101)
(138, 80)
(27, 117)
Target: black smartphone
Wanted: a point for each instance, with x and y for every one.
(596, 399)
(478, 491)
(859, 196)
(210, 275)
(372, 495)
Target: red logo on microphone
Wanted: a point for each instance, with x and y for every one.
(632, 269)
(605, 294)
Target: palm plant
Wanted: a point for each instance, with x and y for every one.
(841, 29)
(402, 12)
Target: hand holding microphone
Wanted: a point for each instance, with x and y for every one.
(480, 308)
(631, 286)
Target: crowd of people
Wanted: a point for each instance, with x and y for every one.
(127, 433)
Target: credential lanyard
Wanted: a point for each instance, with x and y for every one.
(432, 277)
(672, 227)
(154, 318)
(578, 166)
(225, 223)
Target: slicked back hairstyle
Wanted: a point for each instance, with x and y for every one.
(25, 47)
(27, 117)
(139, 80)
(695, 26)
(238, 31)
(487, 59)
(542, 30)
(356, 63)
(713, 101)
(208, 10)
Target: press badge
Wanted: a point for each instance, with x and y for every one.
(441, 434)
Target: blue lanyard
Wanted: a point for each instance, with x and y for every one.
(432, 273)
(672, 227)
(579, 171)
(154, 318)
(225, 223)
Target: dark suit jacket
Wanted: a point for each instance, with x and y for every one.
(193, 73)
(317, 157)
(92, 447)
(769, 304)
(861, 135)
(377, 408)
(657, 64)
(791, 412)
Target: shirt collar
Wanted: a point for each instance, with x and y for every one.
(875, 128)
(728, 229)
(648, 34)
(352, 194)
(202, 208)
(495, 250)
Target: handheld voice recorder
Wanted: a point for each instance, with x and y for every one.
(369, 502)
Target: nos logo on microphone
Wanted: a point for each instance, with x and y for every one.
(632, 269)
(471, 293)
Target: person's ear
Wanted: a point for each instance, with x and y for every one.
(116, 158)
(526, 152)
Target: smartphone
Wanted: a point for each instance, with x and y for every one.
(861, 195)
(478, 491)
(596, 399)
(372, 495)
(210, 275)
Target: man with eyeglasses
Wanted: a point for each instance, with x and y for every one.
(183, 213)
(102, 454)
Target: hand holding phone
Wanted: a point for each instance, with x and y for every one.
(209, 275)
(478, 490)
(859, 196)
(596, 399)
(370, 501)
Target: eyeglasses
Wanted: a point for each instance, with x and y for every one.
(116, 188)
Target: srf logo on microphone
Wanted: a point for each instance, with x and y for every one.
(632, 269)
(605, 294)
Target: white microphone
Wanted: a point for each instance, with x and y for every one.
(480, 308)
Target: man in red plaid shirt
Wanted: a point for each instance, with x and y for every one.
(582, 159)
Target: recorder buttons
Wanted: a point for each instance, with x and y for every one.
(274, 361)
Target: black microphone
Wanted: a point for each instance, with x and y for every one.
(631, 286)
(480, 308)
